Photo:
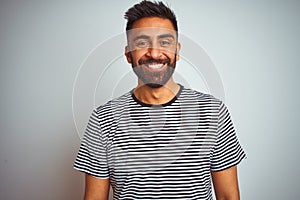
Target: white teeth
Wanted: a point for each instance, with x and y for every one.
(155, 66)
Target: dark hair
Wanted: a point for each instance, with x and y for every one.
(149, 9)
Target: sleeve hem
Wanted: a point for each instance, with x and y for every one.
(91, 173)
(224, 167)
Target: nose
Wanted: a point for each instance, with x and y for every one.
(154, 52)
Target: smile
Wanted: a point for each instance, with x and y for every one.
(155, 66)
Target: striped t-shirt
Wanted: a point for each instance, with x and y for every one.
(160, 151)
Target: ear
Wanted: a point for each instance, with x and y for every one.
(177, 51)
(127, 54)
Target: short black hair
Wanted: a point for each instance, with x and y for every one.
(149, 9)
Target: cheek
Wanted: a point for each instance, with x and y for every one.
(172, 57)
(136, 56)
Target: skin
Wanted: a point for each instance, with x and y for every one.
(96, 188)
(226, 184)
(144, 93)
(226, 181)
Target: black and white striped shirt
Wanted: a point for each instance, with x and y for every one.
(160, 151)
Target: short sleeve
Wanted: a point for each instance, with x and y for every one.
(227, 151)
(91, 157)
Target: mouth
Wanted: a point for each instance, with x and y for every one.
(155, 66)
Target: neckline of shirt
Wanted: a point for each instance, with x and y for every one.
(163, 105)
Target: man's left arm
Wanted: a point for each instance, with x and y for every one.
(226, 184)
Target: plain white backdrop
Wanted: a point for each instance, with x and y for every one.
(254, 46)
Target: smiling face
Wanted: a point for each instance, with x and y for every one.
(152, 50)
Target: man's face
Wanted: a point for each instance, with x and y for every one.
(153, 50)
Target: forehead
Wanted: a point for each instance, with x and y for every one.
(152, 32)
(157, 22)
(152, 26)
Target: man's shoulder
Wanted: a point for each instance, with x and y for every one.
(188, 93)
(116, 103)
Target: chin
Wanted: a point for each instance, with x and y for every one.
(154, 85)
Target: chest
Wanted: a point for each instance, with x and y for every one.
(158, 138)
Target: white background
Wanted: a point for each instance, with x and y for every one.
(254, 45)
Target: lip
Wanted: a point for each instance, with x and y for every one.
(155, 67)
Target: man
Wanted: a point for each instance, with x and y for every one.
(160, 140)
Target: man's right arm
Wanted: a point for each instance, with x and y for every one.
(96, 188)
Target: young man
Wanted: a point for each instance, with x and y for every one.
(160, 140)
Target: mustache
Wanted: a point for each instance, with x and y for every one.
(156, 61)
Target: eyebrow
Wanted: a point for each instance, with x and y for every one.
(147, 37)
(166, 36)
(141, 37)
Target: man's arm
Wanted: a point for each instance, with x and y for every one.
(96, 188)
(226, 184)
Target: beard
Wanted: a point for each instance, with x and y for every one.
(154, 79)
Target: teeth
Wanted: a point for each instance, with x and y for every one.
(155, 66)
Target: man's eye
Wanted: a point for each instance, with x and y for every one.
(165, 43)
(142, 44)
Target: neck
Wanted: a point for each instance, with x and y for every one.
(156, 96)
